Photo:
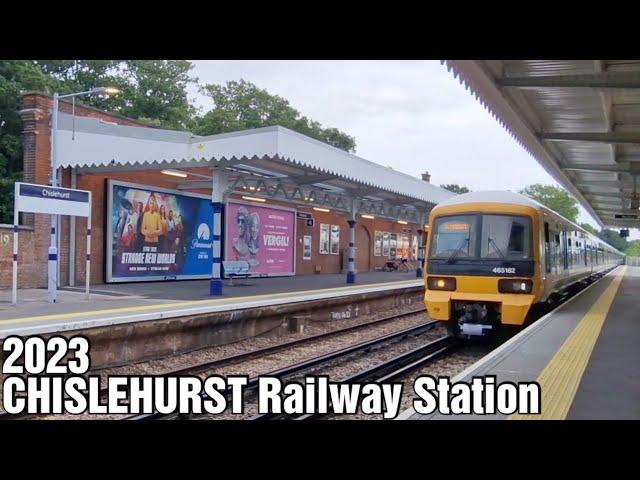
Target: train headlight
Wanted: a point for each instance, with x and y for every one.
(441, 283)
(514, 286)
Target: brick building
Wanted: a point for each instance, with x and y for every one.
(271, 167)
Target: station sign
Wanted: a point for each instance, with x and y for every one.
(306, 216)
(631, 216)
(35, 198)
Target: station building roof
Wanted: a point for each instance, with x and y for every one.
(272, 155)
(580, 119)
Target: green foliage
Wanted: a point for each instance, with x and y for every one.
(240, 105)
(153, 91)
(589, 228)
(455, 188)
(15, 76)
(633, 248)
(614, 239)
(557, 199)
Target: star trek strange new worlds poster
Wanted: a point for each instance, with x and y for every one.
(156, 234)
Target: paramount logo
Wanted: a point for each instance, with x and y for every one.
(276, 240)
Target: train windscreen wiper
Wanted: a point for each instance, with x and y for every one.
(457, 251)
(498, 251)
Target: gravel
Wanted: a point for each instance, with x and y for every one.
(269, 362)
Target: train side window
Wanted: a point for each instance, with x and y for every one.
(547, 248)
(565, 256)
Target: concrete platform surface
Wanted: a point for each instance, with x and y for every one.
(584, 355)
(120, 303)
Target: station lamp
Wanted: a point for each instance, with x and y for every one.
(370, 217)
(52, 273)
(174, 173)
(319, 209)
(253, 199)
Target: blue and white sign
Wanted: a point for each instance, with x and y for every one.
(35, 198)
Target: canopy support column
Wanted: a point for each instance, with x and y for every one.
(220, 184)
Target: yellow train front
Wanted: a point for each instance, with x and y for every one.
(492, 256)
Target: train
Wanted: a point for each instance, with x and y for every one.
(493, 258)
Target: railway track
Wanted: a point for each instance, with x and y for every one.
(387, 371)
(243, 356)
(327, 358)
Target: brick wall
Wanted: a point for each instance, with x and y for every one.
(36, 140)
(34, 241)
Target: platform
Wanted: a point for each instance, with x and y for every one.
(585, 355)
(111, 304)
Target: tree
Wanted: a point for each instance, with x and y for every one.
(614, 239)
(589, 228)
(557, 199)
(455, 188)
(154, 91)
(633, 249)
(240, 105)
(15, 76)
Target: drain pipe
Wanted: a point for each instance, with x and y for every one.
(72, 237)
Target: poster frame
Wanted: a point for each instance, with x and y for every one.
(294, 235)
(108, 270)
(332, 243)
(377, 243)
(304, 240)
(320, 251)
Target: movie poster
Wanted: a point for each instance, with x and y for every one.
(263, 236)
(385, 244)
(335, 239)
(377, 245)
(306, 247)
(393, 245)
(157, 234)
(324, 239)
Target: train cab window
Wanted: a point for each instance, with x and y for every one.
(454, 236)
(506, 236)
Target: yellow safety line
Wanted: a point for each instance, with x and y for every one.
(561, 377)
(172, 305)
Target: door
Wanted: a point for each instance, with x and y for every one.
(363, 249)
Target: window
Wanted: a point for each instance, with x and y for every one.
(482, 236)
(505, 236)
(454, 235)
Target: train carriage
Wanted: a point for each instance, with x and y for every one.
(493, 256)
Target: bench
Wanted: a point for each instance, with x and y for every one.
(235, 269)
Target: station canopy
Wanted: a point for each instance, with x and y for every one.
(271, 162)
(579, 118)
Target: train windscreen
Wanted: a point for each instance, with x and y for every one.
(486, 236)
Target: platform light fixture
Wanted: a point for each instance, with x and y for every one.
(253, 199)
(370, 217)
(319, 209)
(402, 222)
(107, 90)
(174, 173)
(52, 278)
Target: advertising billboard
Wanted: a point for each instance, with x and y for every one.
(157, 234)
(262, 236)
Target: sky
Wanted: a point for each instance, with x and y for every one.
(410, 115)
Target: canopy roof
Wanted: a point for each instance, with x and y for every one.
(273, 154)
(580, 119)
